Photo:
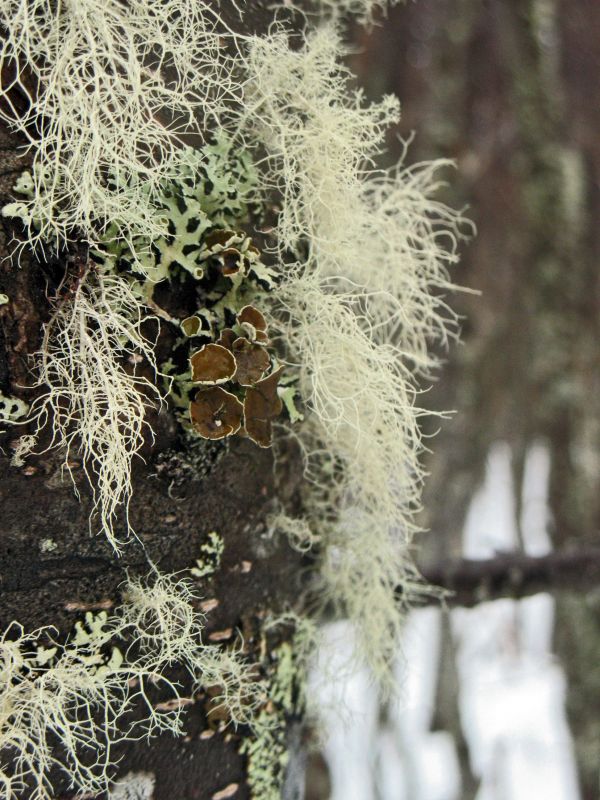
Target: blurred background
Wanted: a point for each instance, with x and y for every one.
(500, 699)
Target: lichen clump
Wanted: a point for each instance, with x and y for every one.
(144, 68)
(83, 690)
(204, 278)
(267, 748)
(197, 280)
(236, 395)
(277, 259)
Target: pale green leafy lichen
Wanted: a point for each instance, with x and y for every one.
(267, 747)
(12, 409)
(215, 187)
(210, 561)
(201, 274)
(268, 757)
(83, 690)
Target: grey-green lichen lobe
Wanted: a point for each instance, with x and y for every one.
(12, 409)
(211, 554)
(268, 747)
(134, 786)
(216, 188)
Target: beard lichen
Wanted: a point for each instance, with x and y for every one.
(278, 244)
(109, 89)
(360, 303)
(84, 689)
(93, 401)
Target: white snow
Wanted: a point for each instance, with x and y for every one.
(349, 711)
(511, 688)
(512, 691)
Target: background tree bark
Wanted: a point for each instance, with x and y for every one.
(509, 90)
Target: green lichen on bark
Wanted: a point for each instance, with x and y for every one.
(266, 748)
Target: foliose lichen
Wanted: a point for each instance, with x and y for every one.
(204, 280)
(12, 408)
(210, 560)
(267, 748)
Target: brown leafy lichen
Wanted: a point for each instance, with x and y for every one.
(212, 364)
(216, 413)
(262, 405)
(238, 363)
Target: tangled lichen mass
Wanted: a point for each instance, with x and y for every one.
(296, 287)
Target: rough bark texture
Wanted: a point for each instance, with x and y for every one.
(52, 567)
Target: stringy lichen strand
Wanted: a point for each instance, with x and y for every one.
(129, 125)
(96, 406)
(83, 691)
(364, 10)
(358, 313)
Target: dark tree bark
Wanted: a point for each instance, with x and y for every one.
(180, 495)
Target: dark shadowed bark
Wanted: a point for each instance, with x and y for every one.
(53, 568)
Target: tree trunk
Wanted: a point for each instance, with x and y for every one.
(509, 90)
(53, 568)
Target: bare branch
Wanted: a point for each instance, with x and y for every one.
(469, 582)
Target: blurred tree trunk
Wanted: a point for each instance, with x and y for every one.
(52, 568)
(509, 89)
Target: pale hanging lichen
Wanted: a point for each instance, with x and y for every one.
(319, 135)
(102, 119)
(364, 10)
(357, 312)
(84, 690)
(93, 405)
